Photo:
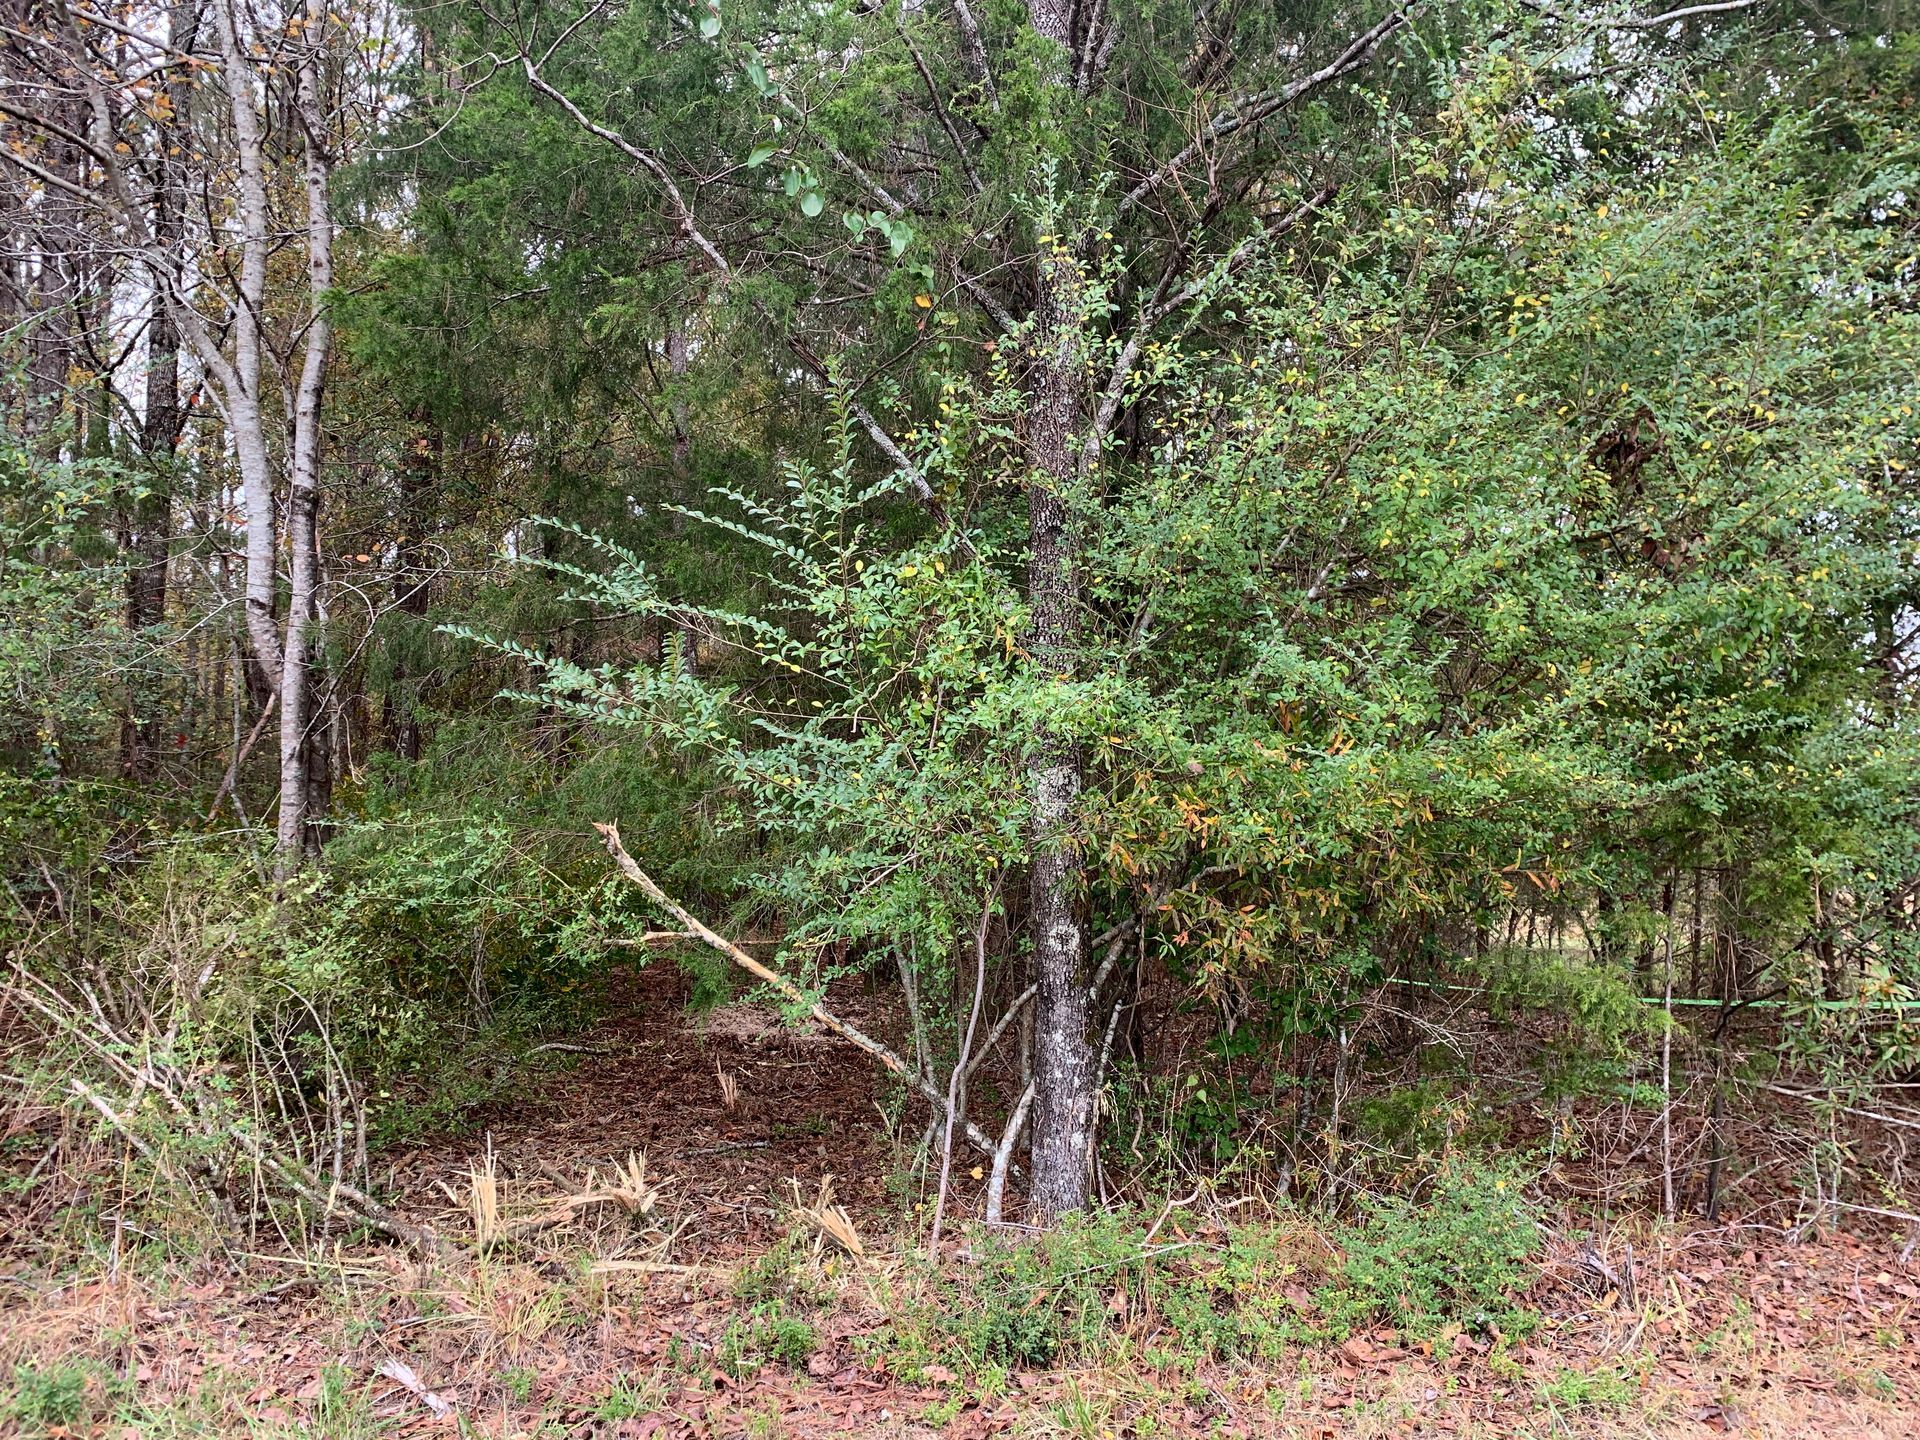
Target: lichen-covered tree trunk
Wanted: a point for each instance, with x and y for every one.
(1063, 1109)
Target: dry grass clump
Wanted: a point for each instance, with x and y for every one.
(489, 1206)
(828, 1220)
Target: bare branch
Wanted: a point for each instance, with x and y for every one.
(960, 150)
(1163, 305)
(888, 446)
(1000, 1026)
(94, 16)
(1247, 110)
(631, 869)
(1003, 1154)
(957, 1078)
(975, 51)
(1655, 22)
(682, 212)
(1628, 22)
(916, 480)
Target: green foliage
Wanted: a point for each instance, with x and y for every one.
(1506, 507)
(1549, 567)
(57, 1397)
(778, 1273)
(841, 792)
(624, 1399)
(1415, 1123)
(1600, 1388)
(1600, 1002)
(1456, 1256)
(415, 939)
(1034, 1302)
(1059, 1299)
(380, 998)
(768, 1335)
(63, 655)
(60, 651)
(520, 1380)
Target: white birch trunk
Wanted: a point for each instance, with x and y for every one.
(303, 507)
(245, 417)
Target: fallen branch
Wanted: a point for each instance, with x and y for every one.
(1003, 1155)
(723, 1149)
(189, 1099)
(1812, 1099)
(402, 1374)
(649, 1267)
(630, 868)
(297, 1178)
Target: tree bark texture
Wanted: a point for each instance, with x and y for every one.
(1064, 1079)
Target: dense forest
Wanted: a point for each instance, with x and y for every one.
(1225, 621)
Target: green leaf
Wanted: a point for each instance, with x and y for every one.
(811, 204)
(760, 155)
(709, 26)
(899, 236)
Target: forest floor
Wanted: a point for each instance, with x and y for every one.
(587, 1320)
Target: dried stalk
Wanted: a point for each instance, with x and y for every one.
(198, 1108)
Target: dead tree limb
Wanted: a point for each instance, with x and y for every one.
(957, 1078)
(630, 868)
(1003, 1155)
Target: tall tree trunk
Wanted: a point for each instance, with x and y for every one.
(241, 395)
(1063, 1110)
(163, 417)
(52, 289)
(303, 506)
(411, 593)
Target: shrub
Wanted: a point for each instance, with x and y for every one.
(770, 1335)
(1061, 1296)
(381, 997)
(1595, 1389)
(1454, 1258)
(55, 1399)
(779, 1273)
(1037, 1301)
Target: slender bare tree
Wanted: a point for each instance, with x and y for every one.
(120, 83)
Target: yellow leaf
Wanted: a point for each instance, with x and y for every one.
(923, 300)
